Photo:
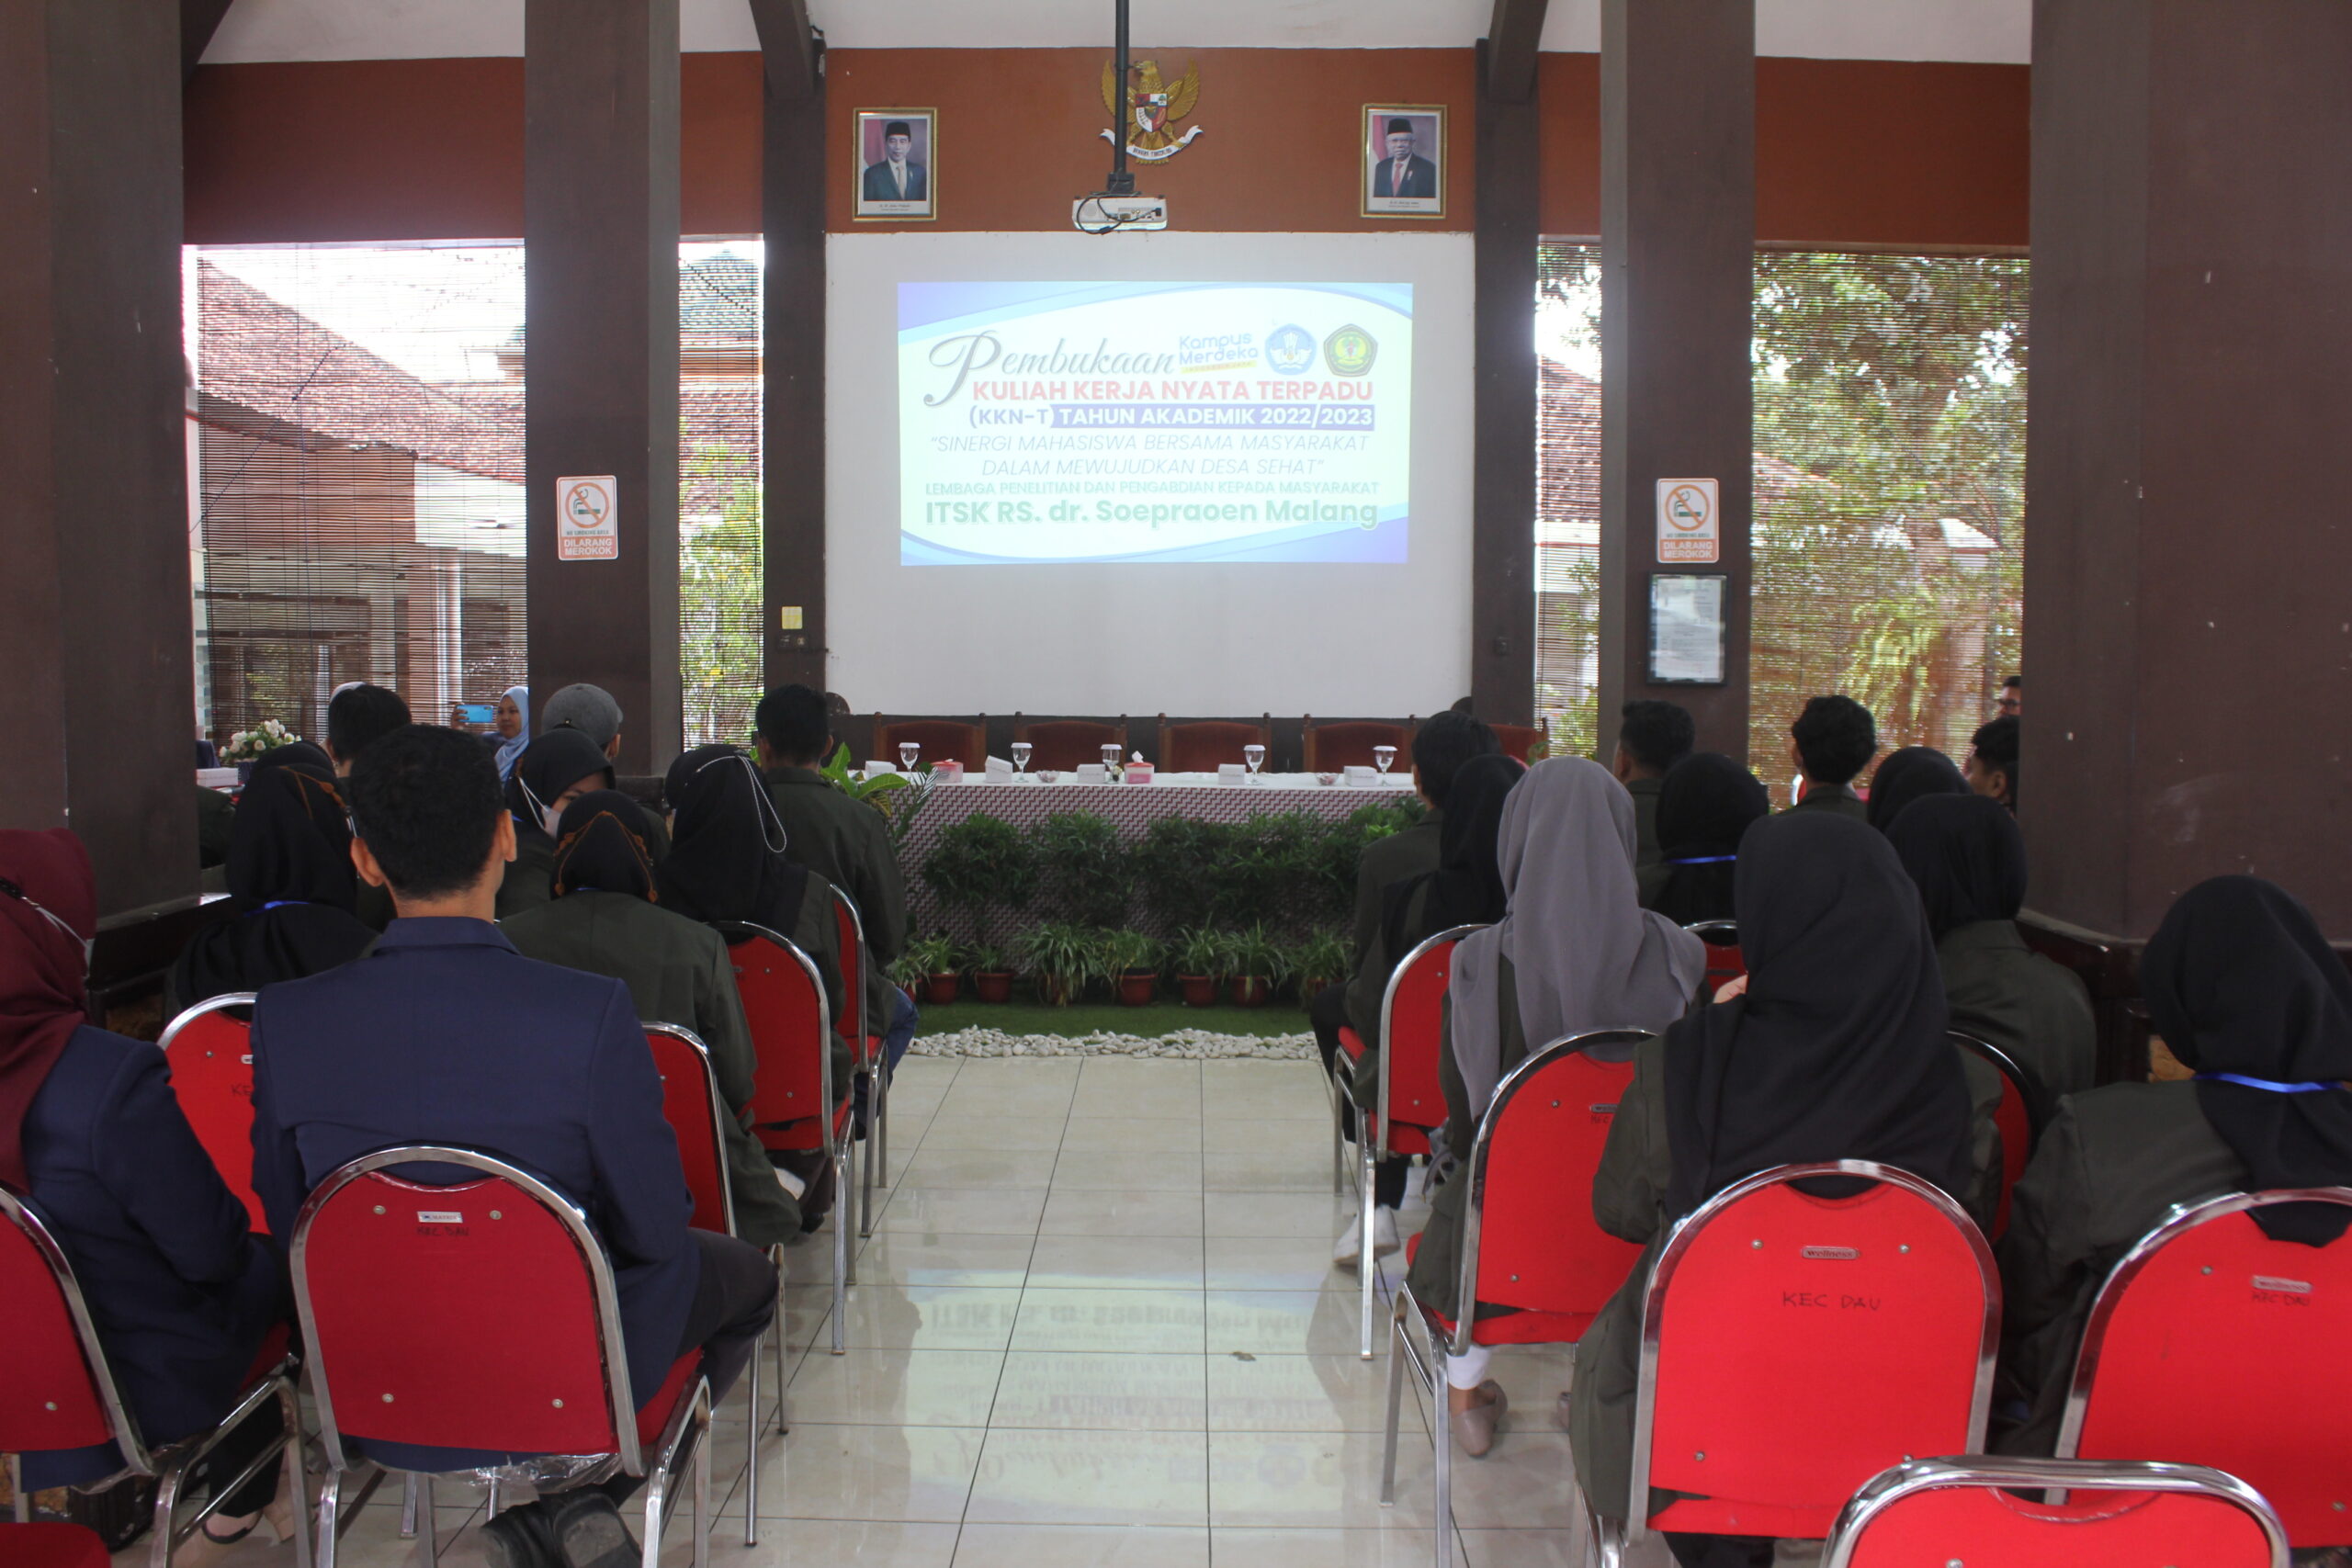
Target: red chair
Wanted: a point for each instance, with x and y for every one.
(45, 1545)
(2024, 1109)
(794, 1104)
(1207, 744)
(2212, 1344)
(1794, 1345)
(1069, 743)
(942, 740)
(1934, 1512)
(210, 1050)
(1411, 1099)
(58, 1390)
(865, 1051)
(480, 1315)
(1332, 747)
(1529, 1239)
(698, 1115)
(1725, 962)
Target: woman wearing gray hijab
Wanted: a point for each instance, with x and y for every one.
(1575, 951)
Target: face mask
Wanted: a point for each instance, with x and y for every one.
(87, 945)
(548, 816)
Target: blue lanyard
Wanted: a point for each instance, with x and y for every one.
(1705, 860)
(279, 904)
(2244, 1082)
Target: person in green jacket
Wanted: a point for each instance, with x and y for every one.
(1653, 738)
(548, 775)
(1831, 742)
(1968, 858)
(603, 919)
(2247, 994)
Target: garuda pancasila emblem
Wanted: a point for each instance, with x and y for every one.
(1152, 105)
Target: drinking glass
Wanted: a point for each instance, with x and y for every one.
(908, 752)
(1110, 763)
(1382, 757)
(1021, 750)
(1255, 756)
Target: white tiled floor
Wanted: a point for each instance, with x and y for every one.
(1097, 1321)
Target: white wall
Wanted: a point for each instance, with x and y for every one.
(1143, 638)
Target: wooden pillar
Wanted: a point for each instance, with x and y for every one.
(792, 348)
(2186, 637)
(98, 705)
(1678, 245)
(600, 219)
(1502, 492)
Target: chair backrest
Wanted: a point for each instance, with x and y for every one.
(942, 739)
(1200, 747)
(51, 1544)
(1411, 1020)
(1348, 744)
(1930, 1513)
(1794, 1345)
(2212, 1344)
(1518, 739)
(1529, 1239)
(784, 1003)
(56, 1387)
(692, 1105)
(480, 1314)
(2023, 1108)
(848, 929)
(1725, 962)
(1067, 743)
(210, 1050)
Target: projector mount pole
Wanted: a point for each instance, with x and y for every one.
(1123, 179)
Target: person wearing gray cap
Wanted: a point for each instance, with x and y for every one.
(593, 711)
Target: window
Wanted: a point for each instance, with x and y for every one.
(1888, 489)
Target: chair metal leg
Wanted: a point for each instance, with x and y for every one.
(428, 1521)
(1442, 1446)
(408, 1506)
(882, 1119)
(1367, 1255)
(297, 1477)
(873, 1128)
(330, 1497)
(702, 1490)
(840, 1249)
(489, 1505)
(754, 1422)
(1396, 1349)
(24, 1505)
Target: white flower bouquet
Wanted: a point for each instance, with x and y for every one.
(248, 745)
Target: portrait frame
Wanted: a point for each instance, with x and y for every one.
(866, 151)
(1372, 137)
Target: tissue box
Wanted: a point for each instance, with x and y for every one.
(947, 770)
(875, 769)
(1138, 772)
(1231, 774)
(1363, 778)
(1090, 773)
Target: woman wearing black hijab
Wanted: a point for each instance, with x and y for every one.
(1837, 1050)
(2247, 994)
(1907, 774)
(1465, 889)
(547, 774)
(1968, 858)
(290, 873)
(1705, 804)
(604, 919)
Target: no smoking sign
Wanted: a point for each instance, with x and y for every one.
(1689, 522)
(587, 518)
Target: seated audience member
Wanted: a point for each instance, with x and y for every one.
(1836, 1051)
(446, 1034)
(2013, 697)
(1575, 951)
(290, 877)
(1704, 806)
(358, 715)
(1907, 773)
(1968, 858)
(1993, 761)
(2247, 994)
(1439, 749)
(1831, 742)
(603, 919)
(843, 840)
(556, 767)
(1466, 888)
(180, 1291)
(592, 711)
(510, 729)
(207, 754)
(1654, 737)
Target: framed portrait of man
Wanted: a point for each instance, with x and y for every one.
(1403, 160)
(897, 165)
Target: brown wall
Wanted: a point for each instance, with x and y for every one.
(1863, 153)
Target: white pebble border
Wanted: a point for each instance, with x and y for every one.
(1197, 1043)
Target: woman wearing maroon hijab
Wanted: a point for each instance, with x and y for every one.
(180, 1291)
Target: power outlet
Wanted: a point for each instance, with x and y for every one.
(1096, 214)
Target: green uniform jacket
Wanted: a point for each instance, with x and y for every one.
(1650, 870)
(677, 972)
(1835, 798)
(2007, 995)
(847, 842)
(2110, 1165)
(530, 875)
(1629, 1202)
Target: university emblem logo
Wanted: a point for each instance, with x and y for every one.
(1291, 350)
(1152, 105)
(1350, 351)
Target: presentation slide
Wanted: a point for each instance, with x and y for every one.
(1138, 423)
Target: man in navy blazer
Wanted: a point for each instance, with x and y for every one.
(443, 1034)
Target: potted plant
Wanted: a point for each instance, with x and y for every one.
(1198, 957)
(1256, 963)
(1063, 957)
(931, 964)
(1131, 960)
(980, 864)
(991, 972)
(1321, 959)
(1084, 870)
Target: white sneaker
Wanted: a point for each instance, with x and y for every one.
(1383, 1233)
(1348, 1251)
